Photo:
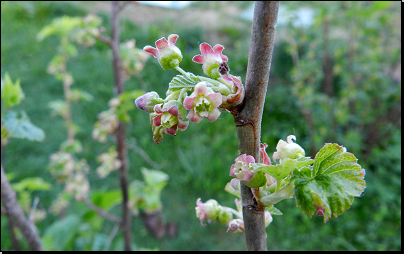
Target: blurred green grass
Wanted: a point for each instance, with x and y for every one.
(197, 160)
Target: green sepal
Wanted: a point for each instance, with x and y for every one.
(331, 183)
(258, 180)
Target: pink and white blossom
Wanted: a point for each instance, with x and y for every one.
(241, 170)
(167, 118)
(168, 55)
(207, 211)
(203, 102)
(212, 60)
(288, 149)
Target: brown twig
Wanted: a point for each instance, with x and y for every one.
(15, 214)
(259, 61)
(101, 212)
(121, 135)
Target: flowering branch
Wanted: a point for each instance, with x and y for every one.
(248, 119)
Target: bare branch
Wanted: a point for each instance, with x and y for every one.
(248, 121)
(121, 132)
(16, 215)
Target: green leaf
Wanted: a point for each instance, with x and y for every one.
(58, 235)
(258, 180)
(282, 170)
(21, 127)
(273, 210)
(32, 184)
(331, 183)
(156, 179)
(11, 93)
(183, 81)
(107, 199)
(284, 193)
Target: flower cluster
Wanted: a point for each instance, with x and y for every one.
(212, 212)
(220, 91)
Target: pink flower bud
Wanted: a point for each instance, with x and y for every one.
(212, 60)
(236, 225)
(207, 211)
(235, 99)
(264, 156)
(147, 101)
(168, 55)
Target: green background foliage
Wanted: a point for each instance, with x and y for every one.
(337, 86)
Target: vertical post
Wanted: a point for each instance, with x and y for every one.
(248, 121)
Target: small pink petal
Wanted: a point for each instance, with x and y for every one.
(249, 159)
(206, 49)
(232, 171)
(234, 183)
(151, 50)
(158, 109)
(173, 111)
(198, 59)
(201, 88)
(172, 38)
(193, 117)
(182, 125)
(216, 99)
(213, 115)
(241, 158)
(189, 102)
(247, 176)
(218, 48)
(161, 43)
(172, 130)
(157, 120)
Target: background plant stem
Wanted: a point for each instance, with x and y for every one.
(248, 120)
(122, 150)
(15, 214)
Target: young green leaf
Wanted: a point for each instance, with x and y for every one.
(183, 81)
(21, 127)
(280, 171)
(11, 93)
(329, 186)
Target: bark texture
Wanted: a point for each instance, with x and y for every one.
(248, 119)
(15, 214)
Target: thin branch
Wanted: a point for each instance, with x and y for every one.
(104, 39)
(111, 237)
(31, 216)
(248, 121)
(16, 215)
(102, 212)
(121, 135)
(121, 6)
